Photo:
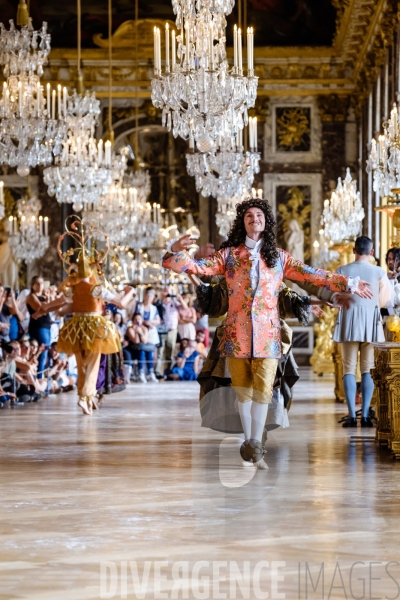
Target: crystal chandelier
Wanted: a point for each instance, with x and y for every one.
(85, 168)
(200, 96)
(384, 158)
(30, 126)
(343, 213)
(228, 170)
(143, 227)
(323, 254)
(125, 218)
(24, 52)
(30, 239)
(141, 182)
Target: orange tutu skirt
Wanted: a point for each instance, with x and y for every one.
(91, 333)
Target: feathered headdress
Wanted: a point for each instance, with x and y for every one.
(89, 258)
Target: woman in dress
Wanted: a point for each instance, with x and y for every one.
(187, 318)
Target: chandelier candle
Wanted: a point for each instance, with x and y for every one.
(173, 51)
(235, 49)
(53, 105)
(253, 134)
(100, 152)
(167, 48)
(59, 101)
(48, 100)
(239, 44)
(250, 51)
(107, 147)
(157, 51)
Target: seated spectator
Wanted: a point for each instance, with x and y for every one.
(119, 324)
(187, 318)
(187, 363)
(23, 385)
(57, 366)
(200, 343)
(5, 396)
(139, 349)
(25, 347)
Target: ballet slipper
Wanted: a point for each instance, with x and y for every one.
(84, 405)
(93, 403)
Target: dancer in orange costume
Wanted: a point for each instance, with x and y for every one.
(88, 334)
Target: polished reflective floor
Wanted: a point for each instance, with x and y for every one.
(139, 501)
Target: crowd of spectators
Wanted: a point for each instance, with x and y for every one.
(162, 337)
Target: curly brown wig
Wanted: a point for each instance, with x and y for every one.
(237, 234)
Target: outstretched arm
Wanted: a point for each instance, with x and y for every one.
(180, 261)
(295, 270)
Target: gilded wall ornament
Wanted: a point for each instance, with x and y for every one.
(333, 108)
(293, 129)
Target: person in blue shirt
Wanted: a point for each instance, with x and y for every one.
(187, 363)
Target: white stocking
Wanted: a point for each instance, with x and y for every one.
(245, 417)
(258, 417)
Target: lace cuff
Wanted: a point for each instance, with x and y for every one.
(352, 284)
(170, 244)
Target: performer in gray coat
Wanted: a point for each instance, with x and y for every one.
(359, 324)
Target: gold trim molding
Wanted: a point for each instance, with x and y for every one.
(364, 31)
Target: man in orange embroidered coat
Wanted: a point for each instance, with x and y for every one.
(254, 269)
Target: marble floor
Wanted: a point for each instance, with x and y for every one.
(140, 502)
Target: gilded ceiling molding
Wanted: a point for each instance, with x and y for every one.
(376, 55)
(130, 31)
(364, 31)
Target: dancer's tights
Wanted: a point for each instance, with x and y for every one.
(253, 416)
